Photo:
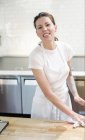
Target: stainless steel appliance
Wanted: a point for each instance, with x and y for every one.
(28, 90)
(10, 94)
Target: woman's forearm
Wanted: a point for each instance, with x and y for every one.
(71, 82)
(59, 104)
(73, 89)
(72, 86)
(47, 91)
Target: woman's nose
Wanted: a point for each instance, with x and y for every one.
(44, 28)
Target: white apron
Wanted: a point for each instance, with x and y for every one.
(42, 108)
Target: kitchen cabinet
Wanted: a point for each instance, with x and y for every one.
(10, 94)
(28, 90)
(16, 94)
(81, 90)
(28, 84)
(80, 84)
(17, 89)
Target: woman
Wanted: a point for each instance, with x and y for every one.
(50, 62)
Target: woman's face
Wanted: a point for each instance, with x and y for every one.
(45, 29)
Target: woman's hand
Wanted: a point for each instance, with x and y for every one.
(79, 118)
(79, 100)
(79, 122)
(82, 118)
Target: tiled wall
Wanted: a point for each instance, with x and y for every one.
(17, 34)
(16, 24)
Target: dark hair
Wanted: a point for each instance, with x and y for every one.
(44, 14)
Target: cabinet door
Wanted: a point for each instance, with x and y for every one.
(28, 91)
(80, 84)
(10, 95)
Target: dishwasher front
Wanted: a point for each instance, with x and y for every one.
(28, 90)
(10, 95)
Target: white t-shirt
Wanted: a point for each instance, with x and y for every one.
(36, 57)
(54, 64)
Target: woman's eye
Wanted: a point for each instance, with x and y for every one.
(47, 25)
(39, 27)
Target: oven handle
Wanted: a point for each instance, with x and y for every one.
(30, 82)
(8, 82)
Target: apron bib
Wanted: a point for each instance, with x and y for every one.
(42, 107)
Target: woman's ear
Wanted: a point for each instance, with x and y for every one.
(36, 33)
(55, 27)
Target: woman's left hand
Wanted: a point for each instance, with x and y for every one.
(79, 100)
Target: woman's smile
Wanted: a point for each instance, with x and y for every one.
(46, 35)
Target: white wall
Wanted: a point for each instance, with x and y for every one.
(16, 24)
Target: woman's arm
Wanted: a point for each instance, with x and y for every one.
(72, 86)
(45, 87)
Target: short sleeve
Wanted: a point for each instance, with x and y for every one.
(68, 51)
(35, 60)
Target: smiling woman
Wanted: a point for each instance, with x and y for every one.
(50, 62)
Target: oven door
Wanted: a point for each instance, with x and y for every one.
(10, 95)
(28, 90)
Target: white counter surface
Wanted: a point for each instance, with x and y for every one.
(79, 73)
(26, 73)
(15, 72)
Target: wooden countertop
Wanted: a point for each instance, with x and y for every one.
(29, 129)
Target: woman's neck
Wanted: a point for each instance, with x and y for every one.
(49, 45)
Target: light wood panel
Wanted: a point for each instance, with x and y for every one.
(29, 129)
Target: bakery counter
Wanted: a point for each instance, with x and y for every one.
(16, 72)
(29, 129)
(79, 75)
